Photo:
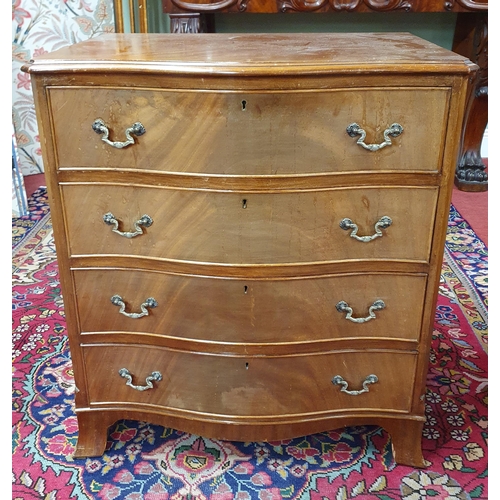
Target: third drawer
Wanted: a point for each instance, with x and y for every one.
(222, 310)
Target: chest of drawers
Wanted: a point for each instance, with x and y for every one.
(250, 228)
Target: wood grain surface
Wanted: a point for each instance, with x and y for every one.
(274, 55)
(237, 386)
(217, 133)
(250, 311)
(296, 227)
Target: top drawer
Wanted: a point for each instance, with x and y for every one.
(249, 133)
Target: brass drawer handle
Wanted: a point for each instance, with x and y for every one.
(338, 380)
(149, 302)
(393, 131)
(154, 377)
(344, 307)
(144, 221)
(383, 223)
(99, 127)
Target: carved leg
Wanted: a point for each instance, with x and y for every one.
(406, 436)
(471, 40)
(92, 433)
(191, 23)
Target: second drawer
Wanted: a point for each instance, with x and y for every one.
(251, 228)
(251, 311)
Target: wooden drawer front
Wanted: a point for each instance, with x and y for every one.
(229, 385)
(250, 133)
(227, 310)
(273, 228)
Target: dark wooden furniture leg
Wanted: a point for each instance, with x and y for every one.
(192, 23)
(471, 40)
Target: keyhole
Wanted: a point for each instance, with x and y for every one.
(244, 203)
(246, 366)
(243, 105)
(245, 288)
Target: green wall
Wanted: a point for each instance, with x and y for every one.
(435, 27)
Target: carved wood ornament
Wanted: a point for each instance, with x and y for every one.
(178, 6)
(378, 5)
(466, 4)
(471, 172)
(346, 5)
(211, 7)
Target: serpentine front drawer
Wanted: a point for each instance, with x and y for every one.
(249, 133)
(227, 387)
(236, 311)
(251, 228)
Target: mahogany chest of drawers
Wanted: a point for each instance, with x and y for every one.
(250, 228)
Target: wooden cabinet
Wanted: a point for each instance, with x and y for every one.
(250, 228)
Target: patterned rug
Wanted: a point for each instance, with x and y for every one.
(147, 462)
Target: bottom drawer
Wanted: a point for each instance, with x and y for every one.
(249, 386)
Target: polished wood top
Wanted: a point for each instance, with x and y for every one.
(305, 53)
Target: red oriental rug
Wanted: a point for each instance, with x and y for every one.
(147, 462)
